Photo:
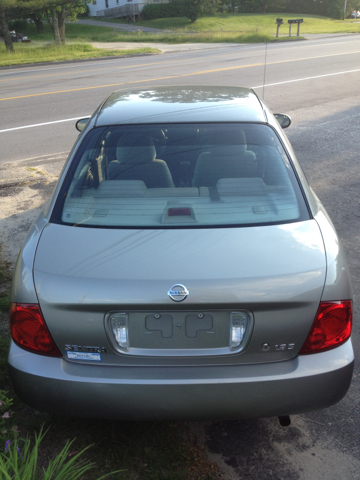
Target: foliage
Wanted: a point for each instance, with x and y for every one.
(258, 6)
(4, 301)
(329, 8)
(193, 8)
(57, 12)
(86, 12)
(247, 23)
(162, 10)
(77, 9)
(20, 462)
(7, 429)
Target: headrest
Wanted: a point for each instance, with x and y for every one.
(241, 186)
(135, 149)
(228, 150)
(231, 142)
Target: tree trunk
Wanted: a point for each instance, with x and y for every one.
(62, 18)
(6, 32)
(55, 25)
(49, 22)
(38, 22)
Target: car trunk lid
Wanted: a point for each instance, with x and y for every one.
(273, 275)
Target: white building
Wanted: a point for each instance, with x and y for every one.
(110, 8)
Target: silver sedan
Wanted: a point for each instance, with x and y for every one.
(182, 269)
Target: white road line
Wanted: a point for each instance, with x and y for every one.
(258, 86)
(307, 78)
(12, 71)
(44, 157)
(42, 124)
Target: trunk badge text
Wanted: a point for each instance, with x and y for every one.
(265, 347)
(84, 348)
(178, 292)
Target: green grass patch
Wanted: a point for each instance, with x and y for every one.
(107, 20)
(30, 53)
(222, 28)
(178, 37)
(5, 284)
(20, 459)
(5, 301)
(262, 24)
(142, 450)
(4, 350)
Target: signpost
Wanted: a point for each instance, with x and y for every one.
(298, 21)
(279, 21)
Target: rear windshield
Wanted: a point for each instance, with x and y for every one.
(180, 175)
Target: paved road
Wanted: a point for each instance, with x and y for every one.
(318, 83)
(39, 95)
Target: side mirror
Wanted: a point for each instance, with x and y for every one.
(284, 120)
(81, 124)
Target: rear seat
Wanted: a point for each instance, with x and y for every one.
(137, 189)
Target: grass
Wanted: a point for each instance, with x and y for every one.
(222, 28)
(19, 461)
(178, 37)
(106, 20)
(31, 53)
(142, 450)
(5, 281)
(249, 23)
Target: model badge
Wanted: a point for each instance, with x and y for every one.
(84, 348)
(178, 293)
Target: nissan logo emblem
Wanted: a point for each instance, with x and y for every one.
(178, 292)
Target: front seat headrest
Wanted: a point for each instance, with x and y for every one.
(135, 149)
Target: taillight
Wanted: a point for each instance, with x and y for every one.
(29, 330)
(331, 327)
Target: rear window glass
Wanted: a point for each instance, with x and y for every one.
(180, 175)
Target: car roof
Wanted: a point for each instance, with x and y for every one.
(175, 104)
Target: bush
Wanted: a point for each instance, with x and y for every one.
(161, 10)
(86, 12)
(18, 25)
(331, 8)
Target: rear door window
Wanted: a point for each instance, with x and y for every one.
(180, 175)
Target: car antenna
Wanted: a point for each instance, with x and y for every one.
(265, 70)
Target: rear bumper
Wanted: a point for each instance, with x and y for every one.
(305, 383)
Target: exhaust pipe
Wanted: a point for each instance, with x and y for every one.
(284, 420)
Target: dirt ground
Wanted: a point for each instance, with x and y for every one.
(24, 188)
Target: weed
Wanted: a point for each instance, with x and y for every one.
(20, 462)
(32, 53)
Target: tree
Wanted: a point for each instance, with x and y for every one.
(38, 19)
(17, 9)
(4, 6)
(193, 8)
(58, 14)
